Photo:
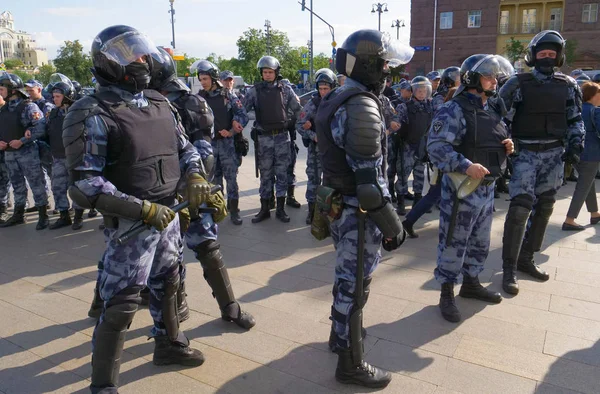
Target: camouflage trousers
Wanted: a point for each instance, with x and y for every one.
(147, 259)
(344, 233)
(404, 166)
(201, 230)
(4, 181)
(536, 172)
(392, 156)
(60, 184)
(314, 171)
(227, 163)
(24, 164)
(273, 162)
(467, 251)
(291, 174)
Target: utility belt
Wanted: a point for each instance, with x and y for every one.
(112, 222)
(271, 132)
(538, 147)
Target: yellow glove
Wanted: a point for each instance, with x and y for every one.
(157, 215)
(184, 217)
(197, 191)
(217, 200)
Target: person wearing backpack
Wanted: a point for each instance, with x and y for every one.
(585, 191)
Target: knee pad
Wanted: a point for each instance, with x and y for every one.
(122, 307)
(209, 255)
(546, 199)
(522, 200)
(172, 282)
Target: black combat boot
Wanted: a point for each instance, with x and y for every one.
(97, 305)
(92, 213)
(18, 217)
(272, 201)
(183, 311)
(179, 352)
(78, 219)
(448, 304)
(418, 197)
(291, 200)
(359, 372)
(233, 313)
(63, 221)
(401, 209)
(234, 211)
(471, 288)
(408, 227)
(3, 214)
(526, 264)
(333, 338)
(43, 220)
(409, 196)
(311, 212)
(264, 212)
(392, 190)
(509, 277)
(280, 212)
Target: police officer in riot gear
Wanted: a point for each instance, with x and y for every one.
(449, 79)
(126, 152)
(351, 139)
(275, 104)
(547, 128)
(77, 87)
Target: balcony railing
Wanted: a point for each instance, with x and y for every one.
(522, 28)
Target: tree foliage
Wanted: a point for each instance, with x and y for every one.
(44, 73)
(515, 50)
(571, 51)
(183, 66)
(24, 75)
(11, 64)
(72, 62)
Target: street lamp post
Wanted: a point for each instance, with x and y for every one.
(398, 23)
(379, 8)
(331, 29)
(172, 11)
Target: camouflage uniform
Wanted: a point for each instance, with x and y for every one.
(392, 151)
(274, 150)
(24, 163)
(45, 154)
(60, 176)
(314, 172)
(4, 181)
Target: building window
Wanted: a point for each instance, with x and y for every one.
(474, 19)
(529, 21)
(446, 20)
(555, 19)
(504, 22)
(590, 13)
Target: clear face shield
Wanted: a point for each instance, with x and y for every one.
(490, 68)
(421, 90)
(126, 48)
(394, 52)
(58, 77)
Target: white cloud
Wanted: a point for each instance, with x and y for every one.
(73, 12)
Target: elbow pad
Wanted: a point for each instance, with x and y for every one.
(108, 204)
(371, 199)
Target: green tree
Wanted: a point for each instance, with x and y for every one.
(571, 51)
(44, 73)
(11, 64)
(515, 50)
(24, 75)
(72, 62)
(252, 45)
(183, 66)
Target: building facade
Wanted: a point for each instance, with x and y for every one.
(488, 26)
(17, 44)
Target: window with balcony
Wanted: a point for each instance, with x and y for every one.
(555, 19)
(474, 19)
(504, 22)
(446, 20)
(590, 13)
(529, 21)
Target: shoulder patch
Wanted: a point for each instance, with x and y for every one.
(437, 126)
(36, 115)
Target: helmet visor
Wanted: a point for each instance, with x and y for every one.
(492, 66)
(126, 48)
(394, 52)
(58, 77)
(421, 89)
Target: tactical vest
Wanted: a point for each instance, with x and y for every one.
(223, 116)
(483, 141)
(54, 127)
(542, 112)
(337, 174)
(40, 104)
(419, 119)
(270, 112)
(10, 123)
(143, 155)
(197, 125)
(316, 102)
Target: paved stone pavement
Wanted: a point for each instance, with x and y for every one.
(545, 340)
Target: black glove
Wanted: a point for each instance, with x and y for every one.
(572, 154)
(395, 242)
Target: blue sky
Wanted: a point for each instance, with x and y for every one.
(202, 26)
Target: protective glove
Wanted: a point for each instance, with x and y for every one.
(395, 242)
(157, 215)
(572, 154)
(184, 217)
(197, 191)
(217, 200)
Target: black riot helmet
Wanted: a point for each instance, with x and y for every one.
(477, 66)
(115, 52)
(67, 90)
(268, 62)
(14, 84)
(204, 67)
(449, 76)
(363, 56)
(76, 86)
(325, 75)
(596, 78)
(164, 73)
(583, 78)
(547, 39)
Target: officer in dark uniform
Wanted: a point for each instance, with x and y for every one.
(351, 136)
(545, 109)
(77, 87)
(450, 78)
(126, 153)
(34, 90)
(276, 105)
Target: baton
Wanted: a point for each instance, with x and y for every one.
(141, 227)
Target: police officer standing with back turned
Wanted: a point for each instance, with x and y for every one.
(548, 129)
(126, 153)
(275, 103)
(351, 133)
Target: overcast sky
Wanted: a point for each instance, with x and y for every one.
(201, 26)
